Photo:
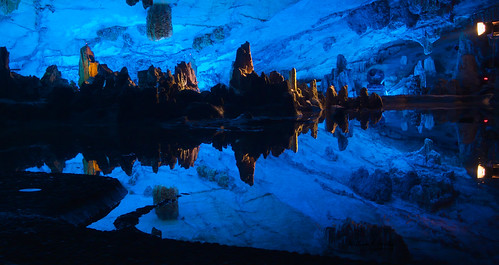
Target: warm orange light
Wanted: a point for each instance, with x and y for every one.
(480, 28)
(480, 172)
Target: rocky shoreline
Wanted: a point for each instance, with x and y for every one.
(43, 218)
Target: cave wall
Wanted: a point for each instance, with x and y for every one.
(304, 34)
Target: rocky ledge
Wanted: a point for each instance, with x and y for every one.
(43, 218)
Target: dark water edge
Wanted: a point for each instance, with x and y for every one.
(170, 144)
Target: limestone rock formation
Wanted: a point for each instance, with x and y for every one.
(159, 21)
(242, 70)
(8, 6)
(169, 210)
(52, 79)
(331, 97)
(185, 77)
(374, 187)
(343, 96)
(370, 241)
(375, 77)
(88, 65)
(375, 15)
(432, 192)
(340, 76)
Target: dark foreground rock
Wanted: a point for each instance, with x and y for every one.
(44, 241)
(369, 241)
(72, 198)
(46, 225)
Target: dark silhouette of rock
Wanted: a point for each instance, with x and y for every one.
(246, 165)
(275, 77)
(71, 198)
(243, 74)
(375, 187)
(53, 79)
(375, 101)
(343, 96)
(331, 97)
(147, 3)
(468, 75)
(132, 2)
(130, 220)
(159, 21)
(363, 97)
(149, 77)
(5, 77)
(370, 241)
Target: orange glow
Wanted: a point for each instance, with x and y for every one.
(91, 167)
(480, 28)
(480, 173)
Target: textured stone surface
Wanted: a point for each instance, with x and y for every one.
(374, 187)
(88, 64)
(159, 21)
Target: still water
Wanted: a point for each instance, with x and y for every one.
(389, 186)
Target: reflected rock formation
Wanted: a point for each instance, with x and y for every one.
(106, 148)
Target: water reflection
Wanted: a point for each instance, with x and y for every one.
(105, 149)
(473, 131)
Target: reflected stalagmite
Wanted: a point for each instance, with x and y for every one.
(246, 165)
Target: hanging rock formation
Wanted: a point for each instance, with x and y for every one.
(159, 21)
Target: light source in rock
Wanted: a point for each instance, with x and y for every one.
(480, 28)
(480, 172)
(159, 21)
(491, 29)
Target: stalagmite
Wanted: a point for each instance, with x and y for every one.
(88, 65)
